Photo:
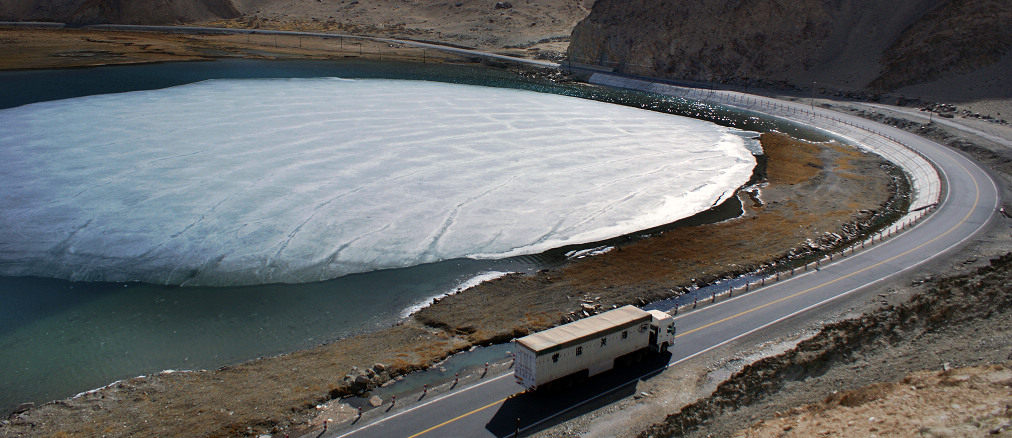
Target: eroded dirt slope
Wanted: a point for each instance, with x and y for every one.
(972, 401)
(956, 320)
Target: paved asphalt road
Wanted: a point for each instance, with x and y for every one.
(492, 408)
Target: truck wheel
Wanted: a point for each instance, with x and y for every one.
(664, 347)
(581, 376)
(638, 356)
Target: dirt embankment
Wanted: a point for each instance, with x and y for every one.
(813, 189)
(978, 303)
(962, 402)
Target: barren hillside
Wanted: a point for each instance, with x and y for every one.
(117, 11)
(537, 25)
(879, 44)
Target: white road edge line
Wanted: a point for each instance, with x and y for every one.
(837, 261)
(399, 413)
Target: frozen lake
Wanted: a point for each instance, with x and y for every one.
(257, 181)
(60, 337)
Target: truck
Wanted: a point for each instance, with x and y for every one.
(570, 353)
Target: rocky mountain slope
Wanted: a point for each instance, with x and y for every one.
(117, 11)
(883, 45)
(517, 26)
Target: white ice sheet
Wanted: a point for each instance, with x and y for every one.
(231, 182)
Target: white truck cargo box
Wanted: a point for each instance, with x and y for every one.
(591, 344)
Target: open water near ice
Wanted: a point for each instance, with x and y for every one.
(60, 337)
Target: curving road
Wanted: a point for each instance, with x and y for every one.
(954, 200)
(953, 205)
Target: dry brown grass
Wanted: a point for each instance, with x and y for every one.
(804, 199)
(792, 161)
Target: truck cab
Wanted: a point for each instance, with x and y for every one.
(662, 331)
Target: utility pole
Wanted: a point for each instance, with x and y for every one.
(813, 95)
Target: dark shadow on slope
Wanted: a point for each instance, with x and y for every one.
(532, 412)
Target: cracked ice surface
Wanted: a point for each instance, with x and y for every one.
(230, 182)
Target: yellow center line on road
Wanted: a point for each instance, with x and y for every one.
(975, 202)
(459, 417)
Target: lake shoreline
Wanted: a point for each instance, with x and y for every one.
(281, 393)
